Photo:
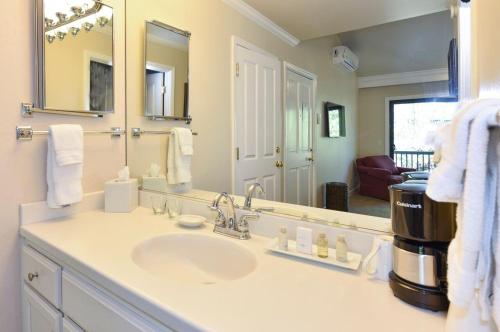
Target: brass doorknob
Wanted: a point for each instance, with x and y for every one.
(32, 276)
(279, 164)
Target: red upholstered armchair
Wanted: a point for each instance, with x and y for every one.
(376, 174)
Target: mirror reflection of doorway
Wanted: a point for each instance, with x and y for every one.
(160, 90)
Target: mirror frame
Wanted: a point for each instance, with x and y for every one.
(186, 34)
(40, 99)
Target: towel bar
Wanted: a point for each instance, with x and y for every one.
(137, 132)
(26, 133)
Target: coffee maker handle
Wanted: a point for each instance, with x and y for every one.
(367, 266)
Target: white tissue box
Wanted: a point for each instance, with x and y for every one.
(121, 196)
(155, 183)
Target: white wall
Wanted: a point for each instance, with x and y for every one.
(22, 164)
(212, 24)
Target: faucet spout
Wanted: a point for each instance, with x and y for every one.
(231, 220)
(250, 194)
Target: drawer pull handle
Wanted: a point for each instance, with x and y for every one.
(32, 276)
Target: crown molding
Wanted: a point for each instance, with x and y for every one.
(412, 77)
(254, 15)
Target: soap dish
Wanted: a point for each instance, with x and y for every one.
(188, 220)
(353, 259)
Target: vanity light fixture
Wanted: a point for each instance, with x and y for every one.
(62, 17)
(87, 26)
(73, 16)
(74, 31)
(60, 35)
(50, 37)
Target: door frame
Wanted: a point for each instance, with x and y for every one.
(235, 42)
(302, 72)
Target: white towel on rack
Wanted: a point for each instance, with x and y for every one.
(179, 161)
(450, 146)
(64, 165)
(467, 175)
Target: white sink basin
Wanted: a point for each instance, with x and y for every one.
(194, 258)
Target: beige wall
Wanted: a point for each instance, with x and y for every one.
(171, 57)
(212, 24)
(372, 120)
(486, 47)
(65, 66)
(22, 164)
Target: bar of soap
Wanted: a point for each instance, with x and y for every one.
(304, 240)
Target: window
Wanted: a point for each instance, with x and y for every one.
(410, 122)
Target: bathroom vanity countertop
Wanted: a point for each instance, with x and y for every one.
(282, 294)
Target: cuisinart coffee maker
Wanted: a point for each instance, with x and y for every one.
(423, 229)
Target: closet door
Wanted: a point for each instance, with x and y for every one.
(39, 315)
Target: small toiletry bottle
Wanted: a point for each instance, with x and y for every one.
(283, 239)
(341, 248)
(322, 245)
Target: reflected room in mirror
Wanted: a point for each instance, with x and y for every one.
(75, 58)
(386, 83)
(166, 72)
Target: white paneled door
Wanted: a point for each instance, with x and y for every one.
(298, 166)
(258, 122)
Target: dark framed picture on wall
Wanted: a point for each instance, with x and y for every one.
(335, 120)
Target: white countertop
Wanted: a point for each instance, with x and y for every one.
(282, 294)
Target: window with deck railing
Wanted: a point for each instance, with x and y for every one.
(411, 121)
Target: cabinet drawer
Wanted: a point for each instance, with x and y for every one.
(97, 311)
(38, 314)
(42, 274)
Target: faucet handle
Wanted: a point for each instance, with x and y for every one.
(221, 218)
(243, 223)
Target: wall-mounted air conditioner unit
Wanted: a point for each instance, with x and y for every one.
(344, 56)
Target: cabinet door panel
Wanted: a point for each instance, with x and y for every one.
(39, 315)
(97, 311)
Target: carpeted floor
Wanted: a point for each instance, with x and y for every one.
(369, 206)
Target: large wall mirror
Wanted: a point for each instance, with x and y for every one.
(75, 56)
(166, 72)
(324, 126)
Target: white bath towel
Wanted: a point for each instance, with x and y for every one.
(469, 259)
(450, 146)
(64, 165)
(180, 150)
(467, 175)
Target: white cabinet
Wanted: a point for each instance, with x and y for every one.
(38, 314)
(96, 310)
(42, 274)
(56, 300)
(70, 326)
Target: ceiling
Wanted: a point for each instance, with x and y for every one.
(419, 43)
(307, 19)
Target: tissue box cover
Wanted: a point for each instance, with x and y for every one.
(121, 196)
(155, 183)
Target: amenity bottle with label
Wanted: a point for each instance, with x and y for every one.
(322, 245)
(341, 248)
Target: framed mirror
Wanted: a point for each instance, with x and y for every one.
(166, 72)
(74, 56)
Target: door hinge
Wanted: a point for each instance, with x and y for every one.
(237, 69)
(237, 153)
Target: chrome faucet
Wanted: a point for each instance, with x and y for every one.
(250, 193)
(230, 225)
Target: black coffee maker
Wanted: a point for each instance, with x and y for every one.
(423, 230)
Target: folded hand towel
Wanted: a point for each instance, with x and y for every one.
(64, 165)
(179, 163)
(67, 141)
(185, 137)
